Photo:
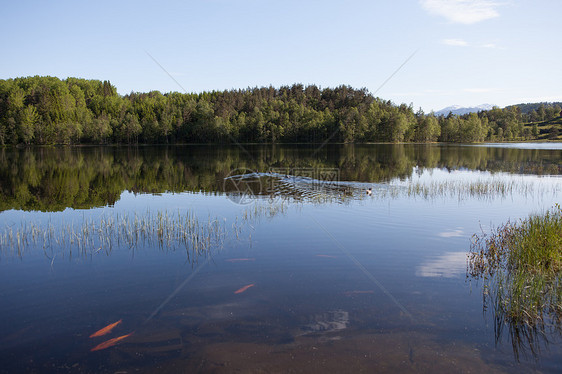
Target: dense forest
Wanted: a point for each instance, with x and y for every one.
(48, 110)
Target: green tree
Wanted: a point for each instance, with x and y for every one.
(26, 124)
(428, 129)
(398, 124)
(535, 131)
(130, 129)
(450, 129)
(541, 113)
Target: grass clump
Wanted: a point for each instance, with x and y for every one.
(537, 245)
(521, 266)
(531, 246)
(169, 231)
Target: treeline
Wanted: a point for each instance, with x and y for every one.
(47, 110)
(540, 111)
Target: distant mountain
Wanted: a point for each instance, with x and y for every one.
(458, 110)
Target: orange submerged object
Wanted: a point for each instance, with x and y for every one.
(106, 330)
(110, 342)
(244, 288)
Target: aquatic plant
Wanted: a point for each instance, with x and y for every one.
(495, 187)
(260, 209)
(168, 231)
(520, 264)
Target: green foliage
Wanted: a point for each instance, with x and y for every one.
(521, 264)
(529, 108)
(428, 129)
(47, 110)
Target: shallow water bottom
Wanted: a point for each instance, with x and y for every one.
(403, 352)
(179, 341)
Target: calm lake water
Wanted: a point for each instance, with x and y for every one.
(262, 258)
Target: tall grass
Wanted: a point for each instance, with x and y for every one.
(169, 231)
(521, 266)
(480, 188)
(271, 209)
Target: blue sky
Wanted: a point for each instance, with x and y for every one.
(465, 52)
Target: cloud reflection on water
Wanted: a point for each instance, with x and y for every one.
(458, 232)
(448, 265)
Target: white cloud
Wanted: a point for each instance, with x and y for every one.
(463, 43)
(455, 42)
(478, 90)
(462, 11)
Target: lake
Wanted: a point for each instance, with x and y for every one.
(279, 258)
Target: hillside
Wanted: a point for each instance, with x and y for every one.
(527, 108)
(547, 130)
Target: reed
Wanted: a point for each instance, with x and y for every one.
(470, 189)
(520, 264)
(485, 188)
(168, 231)
(268, 209)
